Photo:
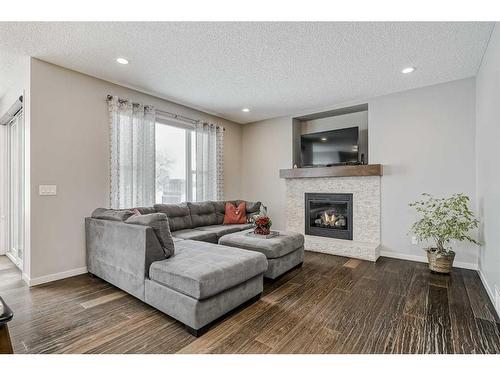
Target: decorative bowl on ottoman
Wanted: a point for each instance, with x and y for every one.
(263, 225)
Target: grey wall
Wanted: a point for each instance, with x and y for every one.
(488, 177)
(425, 138)
(70, 148)
(267, 147)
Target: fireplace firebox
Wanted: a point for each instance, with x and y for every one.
(328, 215)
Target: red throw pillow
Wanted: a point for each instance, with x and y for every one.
(235, 215)
(136, 212)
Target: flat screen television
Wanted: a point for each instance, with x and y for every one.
(333, 147)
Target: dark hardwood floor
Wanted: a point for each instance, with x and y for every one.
(331, 305)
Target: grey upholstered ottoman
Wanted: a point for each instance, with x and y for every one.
(283, 252)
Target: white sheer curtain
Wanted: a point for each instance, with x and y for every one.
(209, 162)
(132, 129)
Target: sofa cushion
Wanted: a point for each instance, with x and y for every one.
(159, 223)
(196, 235)
(274, 247)
(202, 270)
(178, 215)
(222, 230)
(110, 214)
(202, 213)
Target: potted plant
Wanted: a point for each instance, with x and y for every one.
(442, 220)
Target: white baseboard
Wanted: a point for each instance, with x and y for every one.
(423, 259)
(488, 290)
(53, 277)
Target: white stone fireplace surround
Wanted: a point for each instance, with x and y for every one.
(366, 214)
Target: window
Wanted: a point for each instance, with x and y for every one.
(175, 163)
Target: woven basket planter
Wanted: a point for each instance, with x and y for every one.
(439, 262)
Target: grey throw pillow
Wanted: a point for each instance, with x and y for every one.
(161, 228)
(109, 214)
(253, 207)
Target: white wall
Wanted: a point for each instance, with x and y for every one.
(15, 82)
(70, 148)
(488, 176)
(425, 138)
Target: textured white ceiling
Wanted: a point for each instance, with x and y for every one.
(13, 72)
(273, 68)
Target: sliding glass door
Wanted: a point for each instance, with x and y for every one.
(15, 188)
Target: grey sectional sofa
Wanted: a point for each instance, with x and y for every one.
(200, 283)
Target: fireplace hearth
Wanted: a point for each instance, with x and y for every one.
(328, 215)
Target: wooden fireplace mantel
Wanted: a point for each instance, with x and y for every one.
(336, 171)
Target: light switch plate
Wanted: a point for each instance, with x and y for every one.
(414, 240)
(47, 189)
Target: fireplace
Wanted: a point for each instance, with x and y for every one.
(328, 215)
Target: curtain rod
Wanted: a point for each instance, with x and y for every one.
(173, 115)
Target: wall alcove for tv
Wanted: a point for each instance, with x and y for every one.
(342, 118)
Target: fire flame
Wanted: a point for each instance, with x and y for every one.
(329, 219)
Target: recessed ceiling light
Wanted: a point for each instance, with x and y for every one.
(324, 139)
(245, 110)
(410, 69)
(122, 61)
